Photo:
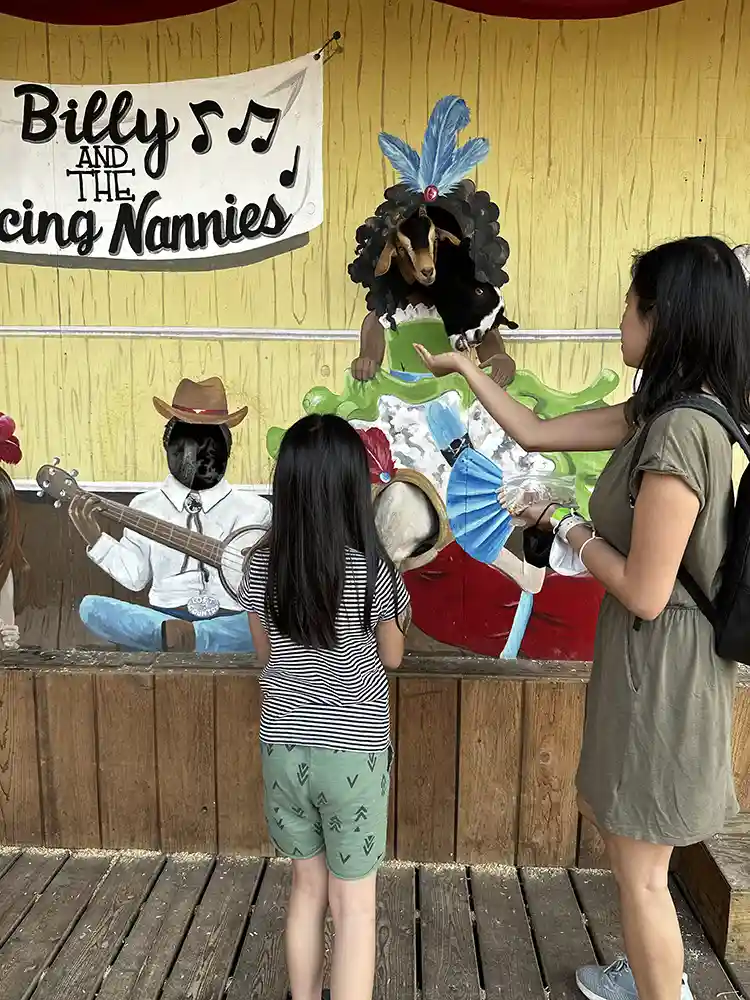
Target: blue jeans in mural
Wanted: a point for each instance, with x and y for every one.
(134, 627)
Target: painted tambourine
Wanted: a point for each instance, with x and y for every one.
(384, 474)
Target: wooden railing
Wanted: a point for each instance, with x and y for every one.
(152, 751)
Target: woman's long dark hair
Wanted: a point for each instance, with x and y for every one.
(322, 505)
(694, 293)
(12, 559)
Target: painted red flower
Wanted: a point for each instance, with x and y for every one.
(10, 449)
(379, 456)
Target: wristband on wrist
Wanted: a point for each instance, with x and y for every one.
(558, 516)
(567, 524)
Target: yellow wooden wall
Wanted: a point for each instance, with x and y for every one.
(606, 137)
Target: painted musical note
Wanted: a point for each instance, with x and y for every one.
(270, 116)
(202, 143)
(288, 178)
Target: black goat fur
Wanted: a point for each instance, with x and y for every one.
(465, 212)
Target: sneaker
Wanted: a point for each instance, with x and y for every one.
(615, 982)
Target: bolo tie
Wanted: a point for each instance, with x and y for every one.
(201, 605)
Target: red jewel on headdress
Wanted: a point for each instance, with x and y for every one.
(431, 193)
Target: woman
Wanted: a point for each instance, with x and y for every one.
(655, 770)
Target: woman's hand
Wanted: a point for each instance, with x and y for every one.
(444, 364)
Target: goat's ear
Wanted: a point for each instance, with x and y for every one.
(443, 234)
(385, 260)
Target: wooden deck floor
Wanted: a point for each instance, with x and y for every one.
(145, 927)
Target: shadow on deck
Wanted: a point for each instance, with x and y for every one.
(142, 926)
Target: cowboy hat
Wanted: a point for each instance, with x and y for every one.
(200, 403)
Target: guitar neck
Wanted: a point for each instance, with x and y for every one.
(200, 547)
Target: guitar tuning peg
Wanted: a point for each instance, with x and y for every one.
(55, 461)
(73, 473)
(40, 493)
(57, 504)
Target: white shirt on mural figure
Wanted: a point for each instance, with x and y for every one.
(135, 561)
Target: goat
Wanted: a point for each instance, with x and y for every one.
(414, 244)
(468, 307)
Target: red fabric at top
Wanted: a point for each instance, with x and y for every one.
(107, 12)
(131, 11)
(558, 9)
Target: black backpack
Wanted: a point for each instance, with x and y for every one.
(729, 614)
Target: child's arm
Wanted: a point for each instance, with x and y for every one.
(261, 642)
(395, 619)
(390, 644)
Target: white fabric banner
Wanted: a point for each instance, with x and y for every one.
(161, 174)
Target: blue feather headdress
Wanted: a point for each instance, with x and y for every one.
(442, 165)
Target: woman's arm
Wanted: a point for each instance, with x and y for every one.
(261, 641)
(644, 579)
(600, 429)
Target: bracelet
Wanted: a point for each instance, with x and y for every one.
(592, 538)
(567, 524)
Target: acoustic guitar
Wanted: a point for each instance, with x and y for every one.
(228, 556)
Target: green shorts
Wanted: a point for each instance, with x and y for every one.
(332, 801)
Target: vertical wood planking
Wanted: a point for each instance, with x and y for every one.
(66, 720)
(741, 745)
(239, 776)
(127, 761)
(20, 803)
(390, 851)
(591, 850)
(489, 770)
(426, 784)
(552, 726)
(185, 741)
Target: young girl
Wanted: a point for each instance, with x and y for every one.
(327, 613)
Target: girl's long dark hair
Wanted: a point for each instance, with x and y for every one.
(12, 559)
(695, 294)
(322, 505)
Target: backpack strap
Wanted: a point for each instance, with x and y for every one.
(709, 405)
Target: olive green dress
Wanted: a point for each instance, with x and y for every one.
(656, 758)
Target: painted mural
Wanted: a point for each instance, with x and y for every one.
(432, 262)
(604, 137)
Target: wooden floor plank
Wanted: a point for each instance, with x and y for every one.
(395, 971)
(705, 972)
(80, 966)
(260, 973)
(34, 944)
(142, 966)
(22, 883)
(559, 931)
(506, 947)
(597, 892)
(205, 961)
(449, 965)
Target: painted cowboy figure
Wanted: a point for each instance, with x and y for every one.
(190, 609)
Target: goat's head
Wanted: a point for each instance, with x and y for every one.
(469, 310)
(414, 245)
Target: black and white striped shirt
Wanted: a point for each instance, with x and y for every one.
(337, 699)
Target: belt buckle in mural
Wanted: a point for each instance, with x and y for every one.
(203, 606)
